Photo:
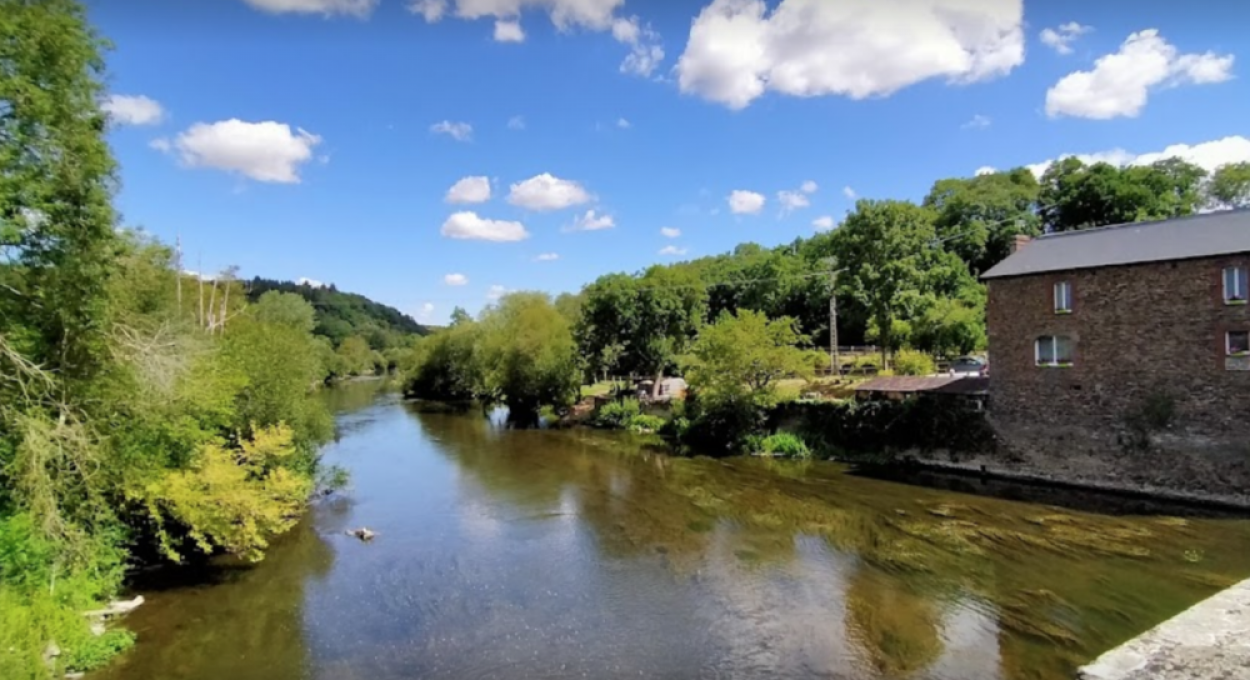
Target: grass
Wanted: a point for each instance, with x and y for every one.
(599, 389)
(792, 389)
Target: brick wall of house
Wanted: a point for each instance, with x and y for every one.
(1137, 330)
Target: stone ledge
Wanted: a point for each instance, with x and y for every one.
(1209, 640)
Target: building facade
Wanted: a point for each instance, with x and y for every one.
(1095, 334)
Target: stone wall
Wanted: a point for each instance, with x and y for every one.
(1149, 334)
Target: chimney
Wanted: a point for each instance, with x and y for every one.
(1020, 241)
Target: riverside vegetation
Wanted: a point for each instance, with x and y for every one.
(146, 415)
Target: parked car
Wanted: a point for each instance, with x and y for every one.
(968, 366)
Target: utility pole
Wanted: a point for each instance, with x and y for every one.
(835, 365)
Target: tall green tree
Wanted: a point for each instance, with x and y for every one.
(744, 354)
(888, 253)
(1079, 196)
(1230, 186)
(56, 184)
(528, 355)
(979, 217)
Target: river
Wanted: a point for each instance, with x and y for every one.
(575, 554)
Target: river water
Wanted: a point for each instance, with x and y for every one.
(573, 554)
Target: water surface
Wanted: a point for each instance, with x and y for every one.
(572, 554)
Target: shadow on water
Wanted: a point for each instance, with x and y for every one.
(521, 553)
(1072, 498)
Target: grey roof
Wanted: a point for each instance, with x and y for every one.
(943, 384)
(1206, 235)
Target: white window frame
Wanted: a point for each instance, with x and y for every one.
(1063, 297)
(1228, 344)
(1054, 351)
(1238, 294)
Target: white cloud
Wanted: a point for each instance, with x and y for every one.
(592, 221)
(547, 192)
(266, 152)
(432, 10)
(516, 123)
(849, 193)
(645, 51)
(358, 8)
(547, 257)
(1062, 37)
(823, 223)
(133, 110)
(792, 200)
(670, 232)
(461, 132)
(160, 144)
(623, 124)
(509, 31)
(456, 280)
(809, 187)
(977, 122)
(746, 202)
(196, 275)
(985, 170)
(314, 283)
(1120, 84)
(737, 50)
(426, 311)
(1207, 155)
(474, 189)
(496, 291)
(467, 225)
(672, 250)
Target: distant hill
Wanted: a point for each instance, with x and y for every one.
(341, 315)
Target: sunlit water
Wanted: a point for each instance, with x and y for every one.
(573, 554)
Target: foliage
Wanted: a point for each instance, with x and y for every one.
(721, 427)
(340, 315)
(744, 354)
(645, 423)
(1230, 186)
(285, 309)
(950, 327)
(445, 368)
(527, 354)
(355, 357)
(782, 444)
(618, 414)
(914, 362)
(1075, 195)
(232, 499)
(979, 217)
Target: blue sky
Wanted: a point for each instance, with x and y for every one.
(321, 138)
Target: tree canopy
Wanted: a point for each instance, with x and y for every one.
(340, 315)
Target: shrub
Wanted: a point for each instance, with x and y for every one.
(787, 445)
(618, 414)
(646, 423)
(914, 362)
(722, 428)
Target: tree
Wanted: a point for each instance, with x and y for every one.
(979, 217)
(459, 316)
(356, 356)
(743, 354)
(528, 355)
(1079, 196)
(886, 248)
(56, 183)
(285, 309)
(1230, 186)
(950, 327)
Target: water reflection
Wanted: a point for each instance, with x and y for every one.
(506, 553)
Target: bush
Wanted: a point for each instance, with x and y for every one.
(914, 362)
(783, 444)
(618, 415)
(723, 428)
(646, 423)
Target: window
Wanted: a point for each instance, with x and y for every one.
(1054, 351)
(1235, 285)
(1063, 297)
(1237, 343)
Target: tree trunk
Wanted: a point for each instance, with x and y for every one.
(655, 388)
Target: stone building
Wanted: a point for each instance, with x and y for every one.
(1124, 352)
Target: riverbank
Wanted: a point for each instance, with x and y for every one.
(1209, 640)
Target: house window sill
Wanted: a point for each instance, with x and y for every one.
(1055, 365)
(1238, 355)
(1236, 303)
(1063, 312)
